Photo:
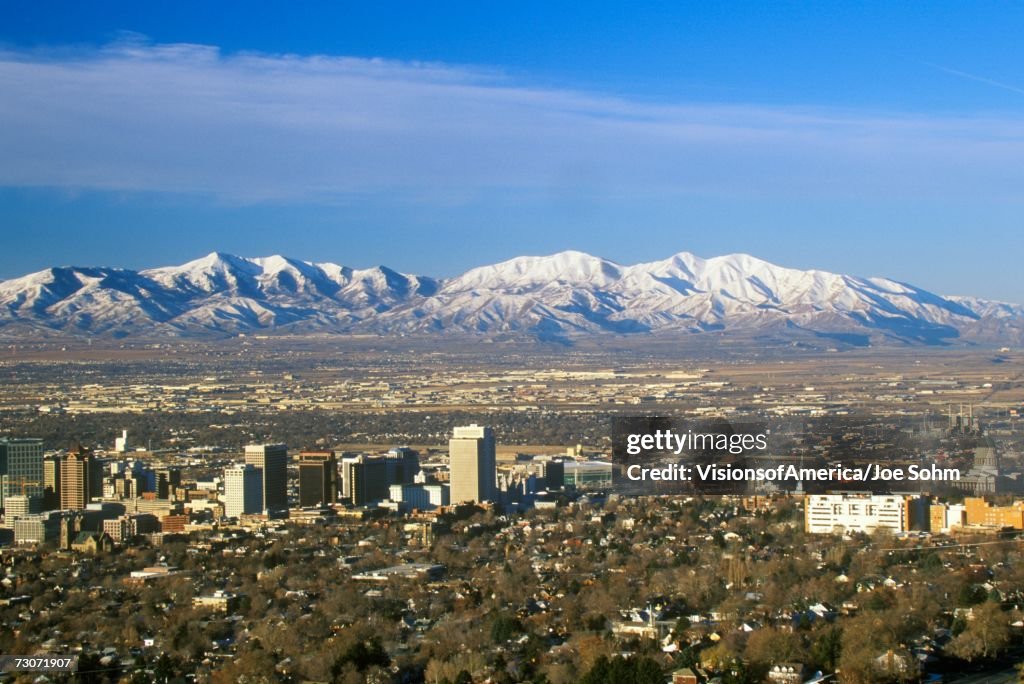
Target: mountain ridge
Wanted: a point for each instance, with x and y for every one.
(556, 296)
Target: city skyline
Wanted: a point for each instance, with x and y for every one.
(875, 141)
(182, 523)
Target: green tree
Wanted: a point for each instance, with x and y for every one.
(971, 595)
(504, 627)
(827, 648)
(620, 670)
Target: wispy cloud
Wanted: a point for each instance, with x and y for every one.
(976, 78)
(255, 127)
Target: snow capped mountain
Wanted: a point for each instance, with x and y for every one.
(552, 296)
(219, 293)
(530, 273)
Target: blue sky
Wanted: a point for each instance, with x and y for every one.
(870, 138)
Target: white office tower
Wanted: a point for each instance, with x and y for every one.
(472, 466)
(243, 490)
(21, 506)
(272, 462)
(121, 443)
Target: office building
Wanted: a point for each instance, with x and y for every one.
(364, 479)
(243, 490)
(21, 506)
(471, 463)
(37, 529)
(77, 478)
(125, 527)
(947, 517)
(403, 465)
(419, 497)
(21, 468)
(861, 512)
(167, 481)
(549, 471)
(978, 511)
(272, 462)
(554, 475)
(318, 476)
(121, 443)
(51, 482)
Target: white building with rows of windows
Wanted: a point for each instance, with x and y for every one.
(863, 512)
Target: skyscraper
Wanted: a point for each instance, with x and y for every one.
(77, 478)
(318, 477)
(243, 490)
(51, 482)
(167, 480)
(272, 462)
(364, 479)
(21, 468)
(472, 465)
(403, 464)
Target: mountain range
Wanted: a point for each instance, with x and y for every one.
(550, 297)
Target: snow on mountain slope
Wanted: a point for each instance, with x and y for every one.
(571, 292)
(562, 294)
(528, 273)
(85, 299)
(989, 309)
(219, 293)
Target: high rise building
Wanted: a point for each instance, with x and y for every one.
(318, 478)
(243, 490)
(77, 478)
(272, 462)
(549, 470)
(472, 464)
(403, 464)
(21, 468)
(167, 480)
(20, 506)
(123, 488)
(364, 479)
(51, 482)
